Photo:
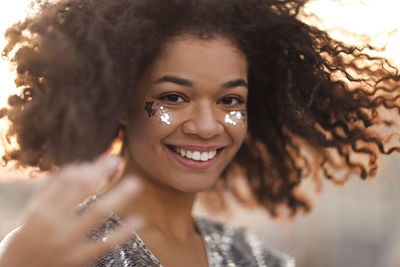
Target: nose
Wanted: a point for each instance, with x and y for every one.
(203, 122)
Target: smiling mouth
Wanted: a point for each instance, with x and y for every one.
(195, 155)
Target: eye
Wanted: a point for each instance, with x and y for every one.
(231, 101)
(173, 98)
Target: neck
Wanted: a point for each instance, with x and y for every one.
(164, 209)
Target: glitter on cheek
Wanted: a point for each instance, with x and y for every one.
(158, 112)
(236, 117)
(148, 107)
(229, 120)
(165, 118)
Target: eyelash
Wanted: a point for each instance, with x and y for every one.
(167, 98)
(238, 99)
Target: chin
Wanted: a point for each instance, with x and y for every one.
(194, 185)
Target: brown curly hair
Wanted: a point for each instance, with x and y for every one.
(312, 99)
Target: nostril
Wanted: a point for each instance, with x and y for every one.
(204, 129)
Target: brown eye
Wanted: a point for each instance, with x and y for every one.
(173, 98)
(230, 101)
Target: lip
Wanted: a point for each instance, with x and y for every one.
(197, 148)
(189, 163)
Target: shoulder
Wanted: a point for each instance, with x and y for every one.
(240, 245)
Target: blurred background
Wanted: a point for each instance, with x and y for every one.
(357, 224)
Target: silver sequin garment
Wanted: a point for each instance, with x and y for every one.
(226, 246)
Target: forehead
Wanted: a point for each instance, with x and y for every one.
(212, 60)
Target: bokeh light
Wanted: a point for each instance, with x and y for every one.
(15, 11)
(361, 21)
(355, 225)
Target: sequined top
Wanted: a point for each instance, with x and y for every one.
(225, 245)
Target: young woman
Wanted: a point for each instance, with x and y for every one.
(200, 92)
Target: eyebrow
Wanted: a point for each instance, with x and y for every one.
(235, 83)
(175, 79)
(184, 82)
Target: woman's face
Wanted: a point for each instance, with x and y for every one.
(189, 117)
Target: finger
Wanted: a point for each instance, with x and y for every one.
(116, 200)
(96, 250)
(75, 182)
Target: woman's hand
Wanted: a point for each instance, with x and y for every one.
(54, 235)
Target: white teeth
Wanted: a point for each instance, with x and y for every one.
(196, 155)
(204, 156)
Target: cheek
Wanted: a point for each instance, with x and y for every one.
(159, 113)
(158, 117)
(238, 119)
(236, 123)
(151, 123)
(237, 133)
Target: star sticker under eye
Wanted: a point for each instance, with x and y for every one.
(149, 108)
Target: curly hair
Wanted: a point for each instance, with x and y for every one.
(312, 99)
